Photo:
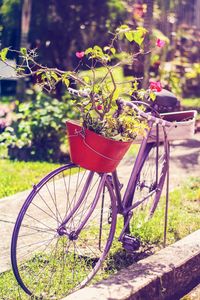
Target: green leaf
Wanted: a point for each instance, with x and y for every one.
(44, 76)
(97, 48)
(113, 50)
(122, 28)
(86, 79)
(39, 73)
(66, 82)
(138, 37)
(135, 85)
(3, 53)
(96, 88)
(116, 94)
(142, 30)
(129, 35)
(54, 76)
(110, 49)
(152, 96)
(88, 51)
(20, 69)
(23, 51)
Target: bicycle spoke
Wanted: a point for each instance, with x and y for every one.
(44, 211)
(150, 181)
(39, 229)
(32, 244)
(47, 205)
(33, 218)
(37, 232)
(29, 254)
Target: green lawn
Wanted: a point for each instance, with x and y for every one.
(191, 102)
(183, 217)
(122, 82)
(18, 176)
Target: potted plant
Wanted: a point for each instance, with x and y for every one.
(104, 131)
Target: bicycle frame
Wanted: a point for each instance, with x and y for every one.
(87, 207)
(124, 205)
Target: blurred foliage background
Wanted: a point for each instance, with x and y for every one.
(60, 28)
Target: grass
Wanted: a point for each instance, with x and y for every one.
(18, 176)
(191, 102)
(184, 219)
(7, 99)
(121, 81)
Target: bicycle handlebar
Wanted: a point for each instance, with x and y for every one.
(144, 115)
(121, 102)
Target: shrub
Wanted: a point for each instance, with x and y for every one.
(38, 129)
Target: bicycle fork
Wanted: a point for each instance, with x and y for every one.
(73, 235)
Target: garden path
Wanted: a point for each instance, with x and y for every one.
(185, 162)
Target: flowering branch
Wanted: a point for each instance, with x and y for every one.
(98, 110)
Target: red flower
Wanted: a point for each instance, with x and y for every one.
(155, 86)
(80, 55)
(99, 107)
(160, 43)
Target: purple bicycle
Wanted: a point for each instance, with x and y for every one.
(67, 224)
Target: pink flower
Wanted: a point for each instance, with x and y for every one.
(160, 43)
(2, 112)
(80, 55)
(138, 11)
(155, 86)
(2, 123)
(99, 107)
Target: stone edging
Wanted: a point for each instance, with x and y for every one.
(168, 274)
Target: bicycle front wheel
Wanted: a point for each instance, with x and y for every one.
(50, 260)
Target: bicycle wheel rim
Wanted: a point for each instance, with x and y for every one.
(19, 267)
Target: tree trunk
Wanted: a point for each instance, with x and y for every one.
(25, 25)
(148, 22)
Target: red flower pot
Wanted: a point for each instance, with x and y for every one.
(93, 151)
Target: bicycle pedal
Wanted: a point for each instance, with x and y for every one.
(130, 243)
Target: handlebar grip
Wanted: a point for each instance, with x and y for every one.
(164, 123)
